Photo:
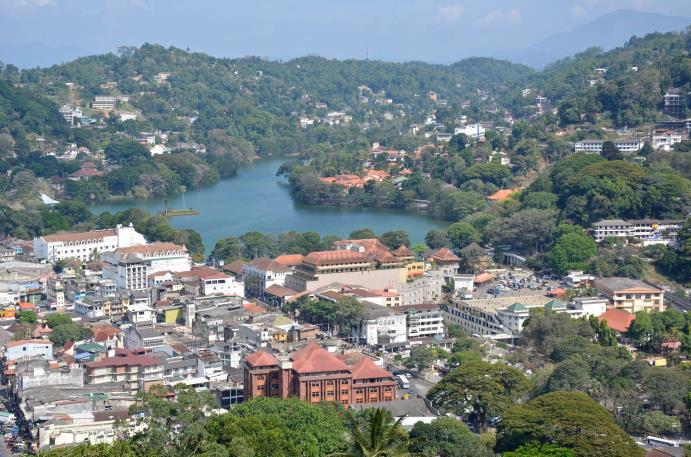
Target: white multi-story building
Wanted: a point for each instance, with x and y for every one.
(130, 267)
(501, 318)
(426, 320)
(474, 131)
(25, 349)
(83, 245)
(626, 146)
(382, 325)
(666, 140)
(262, 273)
(104, 102)
(648, 231)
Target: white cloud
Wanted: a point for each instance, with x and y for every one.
(449, 13)
(578, 11)
(500, 17)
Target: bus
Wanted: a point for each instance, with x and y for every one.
(654, 440)
(403, 381)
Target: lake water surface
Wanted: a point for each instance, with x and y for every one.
(256, 199)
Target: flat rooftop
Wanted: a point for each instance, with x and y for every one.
(493, 304)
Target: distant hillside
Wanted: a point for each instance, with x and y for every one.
(606, 32)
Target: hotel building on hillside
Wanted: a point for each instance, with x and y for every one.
(626, 146)
(82, 245)
(130, 267)
(648, 231)
(313, 374)
(631, 295)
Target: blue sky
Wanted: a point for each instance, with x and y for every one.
(434, 31)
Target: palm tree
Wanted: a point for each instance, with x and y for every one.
(375, 433)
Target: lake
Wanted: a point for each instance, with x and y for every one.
(256, 199)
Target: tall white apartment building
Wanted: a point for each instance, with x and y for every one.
(82, 245)
(130, 267)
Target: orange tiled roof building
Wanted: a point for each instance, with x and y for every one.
(313, 374)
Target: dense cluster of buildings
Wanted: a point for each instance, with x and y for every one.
(155, 318)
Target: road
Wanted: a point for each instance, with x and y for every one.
(420, 386)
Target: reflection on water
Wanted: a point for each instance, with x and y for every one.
(258, 200)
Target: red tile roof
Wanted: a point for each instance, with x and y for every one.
(103, 332)
(289, 260)
(315, 359)
(403, 251)
(367, 369)
(324, 258)
(129, 360)
(444, 255)
(253, 308)
(153, 248)
(280, 291)
(234, 267)
(78, 236)
(266, 264)
(261, 359)
(617, 319)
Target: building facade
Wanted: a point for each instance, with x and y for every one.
(626, 146)
(631, 295)
(314, 375)
(648, 231)
(83, 245)
(130, 267)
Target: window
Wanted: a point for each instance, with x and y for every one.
(315, 394)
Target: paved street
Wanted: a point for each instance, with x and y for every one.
(420, 386)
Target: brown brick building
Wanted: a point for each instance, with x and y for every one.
(313, 374)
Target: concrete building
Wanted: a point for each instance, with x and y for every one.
(665, 140)
(26, 349)
(474, 131)
(647, 231)
(130, 267)
(104, 102)
(627, 146)
(319, 269)
(97, 427)
(500, 318)
(137, 372)
(261, 273)
(314, 375)
(382, 326)
(424, 320)
(82, 245)
(143, 337)
(631, 295)
(674, 102)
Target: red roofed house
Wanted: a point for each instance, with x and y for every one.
(501, 195)
(289, 260)
(617, 319)
(139, 372)
(313, 374)
(446, 260)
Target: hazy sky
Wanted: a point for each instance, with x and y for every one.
(436, 31)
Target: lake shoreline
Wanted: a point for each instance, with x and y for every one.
(258, 200)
